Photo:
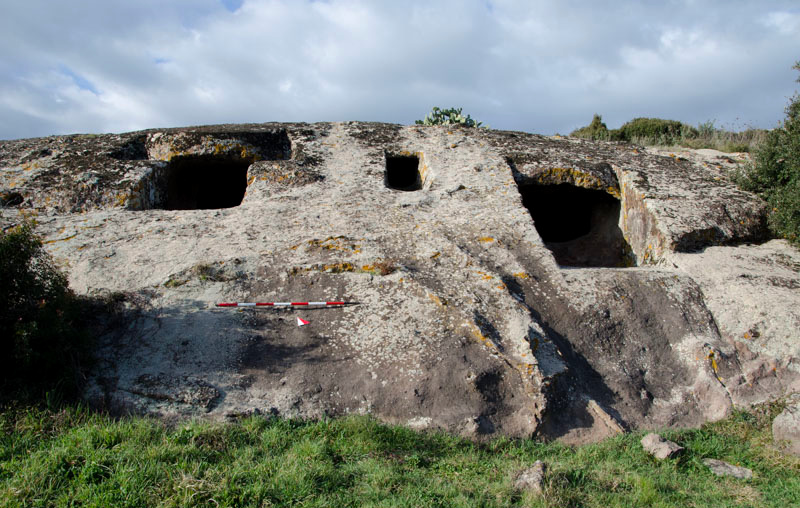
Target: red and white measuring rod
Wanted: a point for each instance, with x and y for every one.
(284, 304)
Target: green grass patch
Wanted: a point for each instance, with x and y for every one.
(75, 457)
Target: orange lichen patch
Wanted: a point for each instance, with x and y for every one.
(436, 255)
(334, 243)
(61, 239)
(713, 359)
(330, 268)
(476, 332)
(381, 267)
(576, 177)
(484, 275)
(486, 239)
(441, 302)
(522, 275)
(502, 286)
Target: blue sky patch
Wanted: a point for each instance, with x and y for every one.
(232, 5)
(80, 81)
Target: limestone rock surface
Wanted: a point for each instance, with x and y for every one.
(507, 283)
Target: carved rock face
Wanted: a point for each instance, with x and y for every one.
(508, 283)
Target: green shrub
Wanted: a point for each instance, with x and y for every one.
(655, 131)
(775, 173)
(42, 346)
(596, 130)
(450, 116)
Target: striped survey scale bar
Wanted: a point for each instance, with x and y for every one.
(284, 304)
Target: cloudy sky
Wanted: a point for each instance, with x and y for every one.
(530, 65)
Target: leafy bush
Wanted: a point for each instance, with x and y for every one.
(775, 173)
(42, 345)
(596, 130)
(655, 131)
(646, 131)
(450, 116)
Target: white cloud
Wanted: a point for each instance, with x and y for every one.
(540, 66)
(785, 22)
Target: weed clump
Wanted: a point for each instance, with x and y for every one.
(775, 173)
(42, 344)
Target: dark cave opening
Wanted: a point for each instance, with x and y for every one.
(402, 172)
(203, 182)
(580, 226)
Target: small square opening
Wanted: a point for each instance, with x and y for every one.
(402, 173)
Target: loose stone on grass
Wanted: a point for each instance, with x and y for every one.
(659, 447)
(786, 427)
(722, 468)
(532, 479)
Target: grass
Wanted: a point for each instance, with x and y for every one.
(668, 133)
(710, 136)
(76, 457)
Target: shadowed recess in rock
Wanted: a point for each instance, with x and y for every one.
(402, 172)
(580, 226)
(205, 182)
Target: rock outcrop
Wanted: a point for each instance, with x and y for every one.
(507, 282)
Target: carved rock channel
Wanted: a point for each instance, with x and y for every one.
(508, 283)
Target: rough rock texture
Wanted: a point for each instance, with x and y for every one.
(786, 426)
(722, 468)
(508, 283)
(659, 447)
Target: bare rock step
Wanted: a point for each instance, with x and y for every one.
(722, 468)
(659, 447)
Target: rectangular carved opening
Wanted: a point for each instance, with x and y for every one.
(580, 226)
(204, 182)
(402, 173)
